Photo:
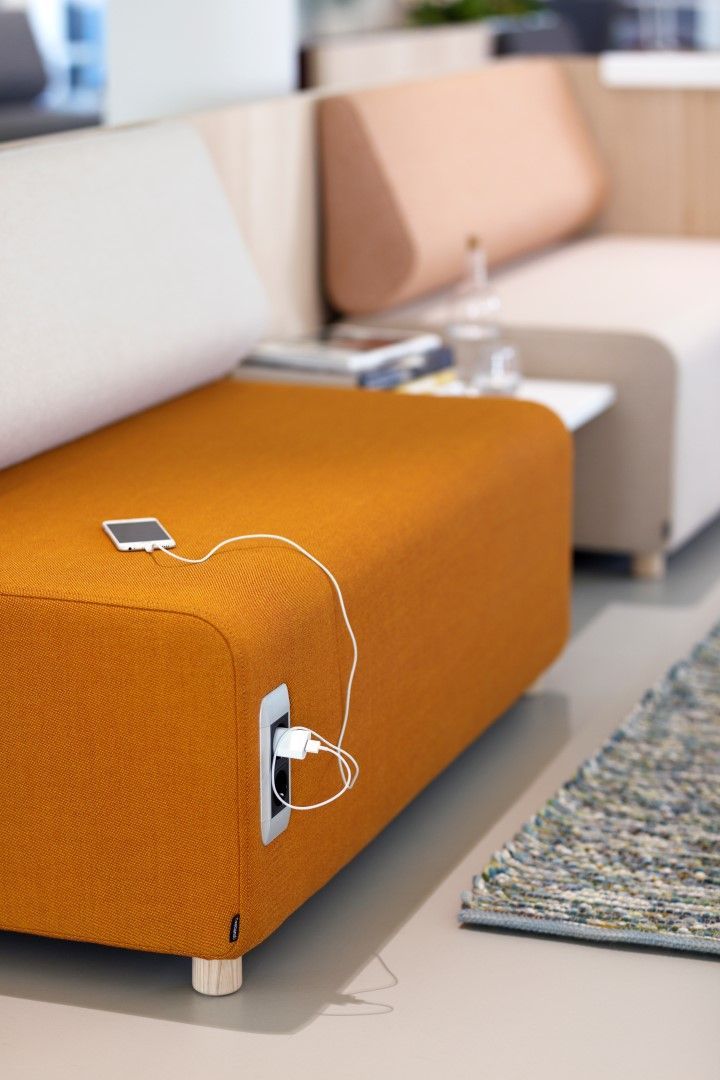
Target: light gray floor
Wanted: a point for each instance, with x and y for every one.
(372, 978)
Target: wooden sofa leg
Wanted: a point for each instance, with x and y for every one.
(649, 566)
(216, 977)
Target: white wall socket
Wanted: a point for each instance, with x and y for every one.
(274, 714)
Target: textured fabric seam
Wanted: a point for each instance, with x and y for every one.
(135, 946)
(339, 647)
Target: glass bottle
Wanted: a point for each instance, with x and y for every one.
(485, 360)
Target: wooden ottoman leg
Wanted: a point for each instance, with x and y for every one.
(649, 566)
(216, 977)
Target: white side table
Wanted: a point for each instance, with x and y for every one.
(574, 401)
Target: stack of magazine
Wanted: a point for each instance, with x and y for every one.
(349, 356)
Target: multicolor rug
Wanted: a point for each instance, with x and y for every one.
(629, 849)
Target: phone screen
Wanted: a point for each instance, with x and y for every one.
(141, 531)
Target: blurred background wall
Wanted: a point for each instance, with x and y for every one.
(124, 60)
(169, 56)
(348, 16)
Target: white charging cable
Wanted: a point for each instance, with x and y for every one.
(298, 742)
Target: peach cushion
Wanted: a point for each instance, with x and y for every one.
(411, 170)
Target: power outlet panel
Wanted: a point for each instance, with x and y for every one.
(274, 815)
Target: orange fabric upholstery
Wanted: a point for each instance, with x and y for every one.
(131, 684)
(409, 171)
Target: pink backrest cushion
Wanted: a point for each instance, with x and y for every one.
(409, 171)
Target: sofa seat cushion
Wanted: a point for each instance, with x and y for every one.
(663, 287)
(642, 313)
(131, 684)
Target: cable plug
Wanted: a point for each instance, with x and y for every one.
(295, 743)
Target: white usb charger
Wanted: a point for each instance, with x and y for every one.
(296, 743)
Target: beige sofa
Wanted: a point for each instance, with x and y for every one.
(508, 151)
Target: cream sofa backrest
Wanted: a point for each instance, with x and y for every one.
(409, 171)
(123, 281)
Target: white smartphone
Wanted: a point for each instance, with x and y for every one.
(138, 534)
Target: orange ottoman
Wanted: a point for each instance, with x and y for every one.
(130, 689)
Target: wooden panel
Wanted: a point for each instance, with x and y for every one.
(392, 55)
(703, 152)
(662, 149)
(265, 155)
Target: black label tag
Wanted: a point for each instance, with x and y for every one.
(234, 928)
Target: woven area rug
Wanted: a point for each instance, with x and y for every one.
(629, 849)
